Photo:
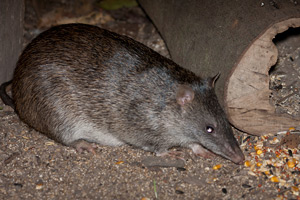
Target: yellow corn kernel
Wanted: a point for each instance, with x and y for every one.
(258, 164)
(295, 188)
(274, 179)
(216, 167)
(292, 129)
(247, 163)
(119, 162)
(291, 163)
(259, 151)
(267, 173)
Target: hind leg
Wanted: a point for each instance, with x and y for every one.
(82, 134)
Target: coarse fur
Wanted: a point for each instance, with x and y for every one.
(80, 82)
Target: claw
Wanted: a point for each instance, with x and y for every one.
(81, 145)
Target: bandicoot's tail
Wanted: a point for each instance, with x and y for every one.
(7, 100)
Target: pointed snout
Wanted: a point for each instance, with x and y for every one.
(238, 158)
(235, 154)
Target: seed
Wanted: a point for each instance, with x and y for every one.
(258, 164)
(274, 179)
(181, 169)
(224, 190)
(119, 162)
(247, 163)
(246, 139)
(18, 185)
(296, 172)
(216, 167)
(265, 150)
(39, 186)
(246, 185)
(291, 163)
(290, 153)
(179, 192)
(295, 151)
(292, 129)
(267, 173)
(294, 188)
(49, 143)
(258, 152)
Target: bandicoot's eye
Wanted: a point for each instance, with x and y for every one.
(209, 129)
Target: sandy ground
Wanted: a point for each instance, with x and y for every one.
(35, 167)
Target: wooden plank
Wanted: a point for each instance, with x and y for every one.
(11, 36)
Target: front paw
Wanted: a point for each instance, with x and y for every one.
(172, 154)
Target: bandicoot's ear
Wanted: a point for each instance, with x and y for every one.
(211, 81)
(185, 94)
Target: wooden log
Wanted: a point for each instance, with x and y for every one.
(234, 38)
(247, 91)
(11, 36)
